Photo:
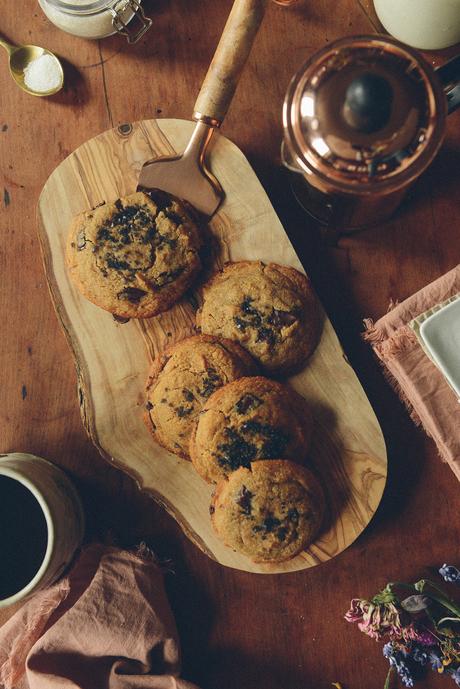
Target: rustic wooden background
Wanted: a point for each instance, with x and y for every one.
(237, 630)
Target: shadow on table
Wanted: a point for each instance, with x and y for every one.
(194, 615)
(128, 517)
(231, 668)
(404, 443)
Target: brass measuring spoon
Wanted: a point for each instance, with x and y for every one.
(20, 57)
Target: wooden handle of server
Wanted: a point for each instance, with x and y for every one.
(229, 59)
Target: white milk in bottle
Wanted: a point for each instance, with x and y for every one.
(426, 24)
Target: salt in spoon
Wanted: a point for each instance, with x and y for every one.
(21, 57)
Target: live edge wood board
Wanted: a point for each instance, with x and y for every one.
(113, 359)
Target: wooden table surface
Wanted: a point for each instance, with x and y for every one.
(237, 630)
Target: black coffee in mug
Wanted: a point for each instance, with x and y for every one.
(23, 536)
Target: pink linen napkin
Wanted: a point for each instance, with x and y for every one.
(107, 625)
(420, 384)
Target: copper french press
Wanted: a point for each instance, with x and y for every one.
(363, 118)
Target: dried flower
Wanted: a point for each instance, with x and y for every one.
(436, 662)
(398, 656)
(420, 655)
(425, 637)
(422, 627)
(455, 674)
(415, 603)
(450, 574)
(377, 617)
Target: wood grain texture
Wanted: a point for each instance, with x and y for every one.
(113, 359)
(229, 59)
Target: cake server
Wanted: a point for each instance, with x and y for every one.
(187, 175)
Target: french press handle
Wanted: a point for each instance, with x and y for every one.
(449, 75)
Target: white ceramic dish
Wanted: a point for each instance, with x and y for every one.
(441, 336)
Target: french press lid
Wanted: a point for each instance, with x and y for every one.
(366, 114)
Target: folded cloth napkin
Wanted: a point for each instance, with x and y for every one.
(420, 384)
(107, 625)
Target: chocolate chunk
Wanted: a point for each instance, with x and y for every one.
(275, 445)
(266, 335)
(183, 411)
(149, 234)
(247, 307)
(188, 394)
(247, 402)
(243, 499)
(255, 317)
(265, 325)
(274, 440)
(211, 382)
(282, 533)
(240, 323)
(237, 452)
(117, 264)
(104, 234)
(127, 214)
(270, 522)
(149, 405)
(132, 294)
(252, 427)
(293, 515)
(268, 525)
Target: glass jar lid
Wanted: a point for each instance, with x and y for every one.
(122, 16)
(83, 6)
(365, 112)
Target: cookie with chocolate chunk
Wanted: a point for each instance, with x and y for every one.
(269, 309)
(270, 511)
(182, 379)
(249, 419)
(134, 257)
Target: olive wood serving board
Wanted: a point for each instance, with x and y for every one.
(113, 359)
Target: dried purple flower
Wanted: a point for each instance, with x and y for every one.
(450, 573)
(455, 674)
(436, 662)
(424, 637)
(398, 658)
(420, 655)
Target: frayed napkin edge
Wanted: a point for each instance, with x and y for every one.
(376, 338)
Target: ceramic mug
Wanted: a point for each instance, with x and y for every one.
(41, 525)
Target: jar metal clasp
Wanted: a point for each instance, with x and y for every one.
(143, 23)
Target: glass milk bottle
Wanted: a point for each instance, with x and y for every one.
(426, 24)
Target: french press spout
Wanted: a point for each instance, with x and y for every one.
(363, 118)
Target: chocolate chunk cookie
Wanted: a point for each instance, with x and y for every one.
(270, 310)
(182, 379)
(269, 512)
(249, 419)
(134, 257)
